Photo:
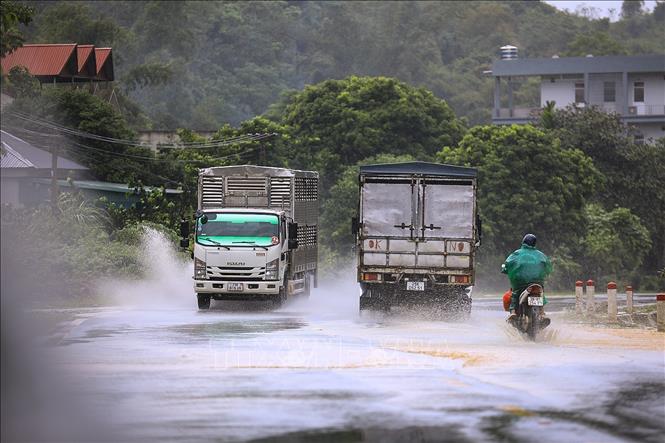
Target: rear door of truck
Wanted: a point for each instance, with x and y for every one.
(447, 221)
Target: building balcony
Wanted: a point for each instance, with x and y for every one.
(635, 113)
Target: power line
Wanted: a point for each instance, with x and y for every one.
(188, 145)
(135, 156)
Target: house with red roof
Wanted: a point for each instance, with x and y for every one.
(62, 62)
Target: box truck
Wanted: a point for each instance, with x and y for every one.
(416, 232)
(255, 234)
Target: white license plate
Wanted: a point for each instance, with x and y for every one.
(535, 301)
(415, 286)
(234, 287)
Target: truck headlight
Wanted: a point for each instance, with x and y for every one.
(272, 270)
(200, 269)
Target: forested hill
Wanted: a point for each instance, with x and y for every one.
(202, 64)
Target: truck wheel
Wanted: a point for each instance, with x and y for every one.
(374, 302)
(204, 301)
(280, 298)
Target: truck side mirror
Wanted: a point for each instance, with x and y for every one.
(354, 226)
(293, 235)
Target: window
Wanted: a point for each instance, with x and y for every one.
(638, 92)
(609, 92)
(639, 138)
(579, 92)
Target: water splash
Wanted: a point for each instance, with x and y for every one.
(167, 281)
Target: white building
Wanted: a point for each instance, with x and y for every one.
(632, 86)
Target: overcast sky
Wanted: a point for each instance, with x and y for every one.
(603, 7)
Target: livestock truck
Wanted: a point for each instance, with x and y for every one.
(255, 234)
(416, 233)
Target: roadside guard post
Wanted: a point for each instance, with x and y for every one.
(660, 312)
(590, 299)
(579, 296)
(629, 299)
(612, 301)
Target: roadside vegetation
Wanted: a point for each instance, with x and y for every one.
(576, 178)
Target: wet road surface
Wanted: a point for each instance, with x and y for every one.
(315, 371)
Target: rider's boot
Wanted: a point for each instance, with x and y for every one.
(512, 318)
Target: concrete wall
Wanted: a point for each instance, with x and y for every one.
(562, 91)
(651, 130)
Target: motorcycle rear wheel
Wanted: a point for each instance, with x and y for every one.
(533, 327)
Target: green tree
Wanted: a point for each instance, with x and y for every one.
(633, 173)
(20, 83)
(81, 111)
(595, 43)
(616, 242)
(13, 14)
(340, 122)
(527, 183)
(631, 8)
(72, 22)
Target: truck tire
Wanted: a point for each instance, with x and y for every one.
(204, 301)
(374, 300)
(281, 297)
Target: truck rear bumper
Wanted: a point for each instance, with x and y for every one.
(248, 287)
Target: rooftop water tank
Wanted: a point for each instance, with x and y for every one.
(508, 52)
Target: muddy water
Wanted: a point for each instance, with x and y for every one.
(317, 371)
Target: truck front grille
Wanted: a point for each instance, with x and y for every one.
(227, 273)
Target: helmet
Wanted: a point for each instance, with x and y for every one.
(530, 240)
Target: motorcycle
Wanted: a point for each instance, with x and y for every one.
(530, 314)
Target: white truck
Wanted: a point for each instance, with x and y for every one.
(416, 235)
(255, 234)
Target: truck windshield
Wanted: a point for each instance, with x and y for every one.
(237, 229)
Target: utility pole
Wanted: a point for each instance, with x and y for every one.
(54, 180)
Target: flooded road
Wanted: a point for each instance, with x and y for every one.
(315, 371)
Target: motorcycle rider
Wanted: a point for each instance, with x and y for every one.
(526, 266)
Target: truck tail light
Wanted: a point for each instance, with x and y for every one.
(459, 279)
(371, 277)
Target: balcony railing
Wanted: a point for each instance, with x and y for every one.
(519, 113)
(637, 110)
(633, 111)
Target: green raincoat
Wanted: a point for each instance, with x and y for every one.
(525, 266)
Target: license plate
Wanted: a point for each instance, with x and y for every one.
(415, 286)
(235, 287)
(535, 301)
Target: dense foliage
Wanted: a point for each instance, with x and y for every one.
(203, 64)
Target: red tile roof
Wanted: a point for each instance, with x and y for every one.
(102, 54)
(40, 59)
(83, 53)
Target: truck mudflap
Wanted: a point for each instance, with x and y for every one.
(236, 288)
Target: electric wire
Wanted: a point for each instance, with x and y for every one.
(188, 145)
(134, 156)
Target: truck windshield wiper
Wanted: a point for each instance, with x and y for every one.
(214, 242)
(251, 243)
